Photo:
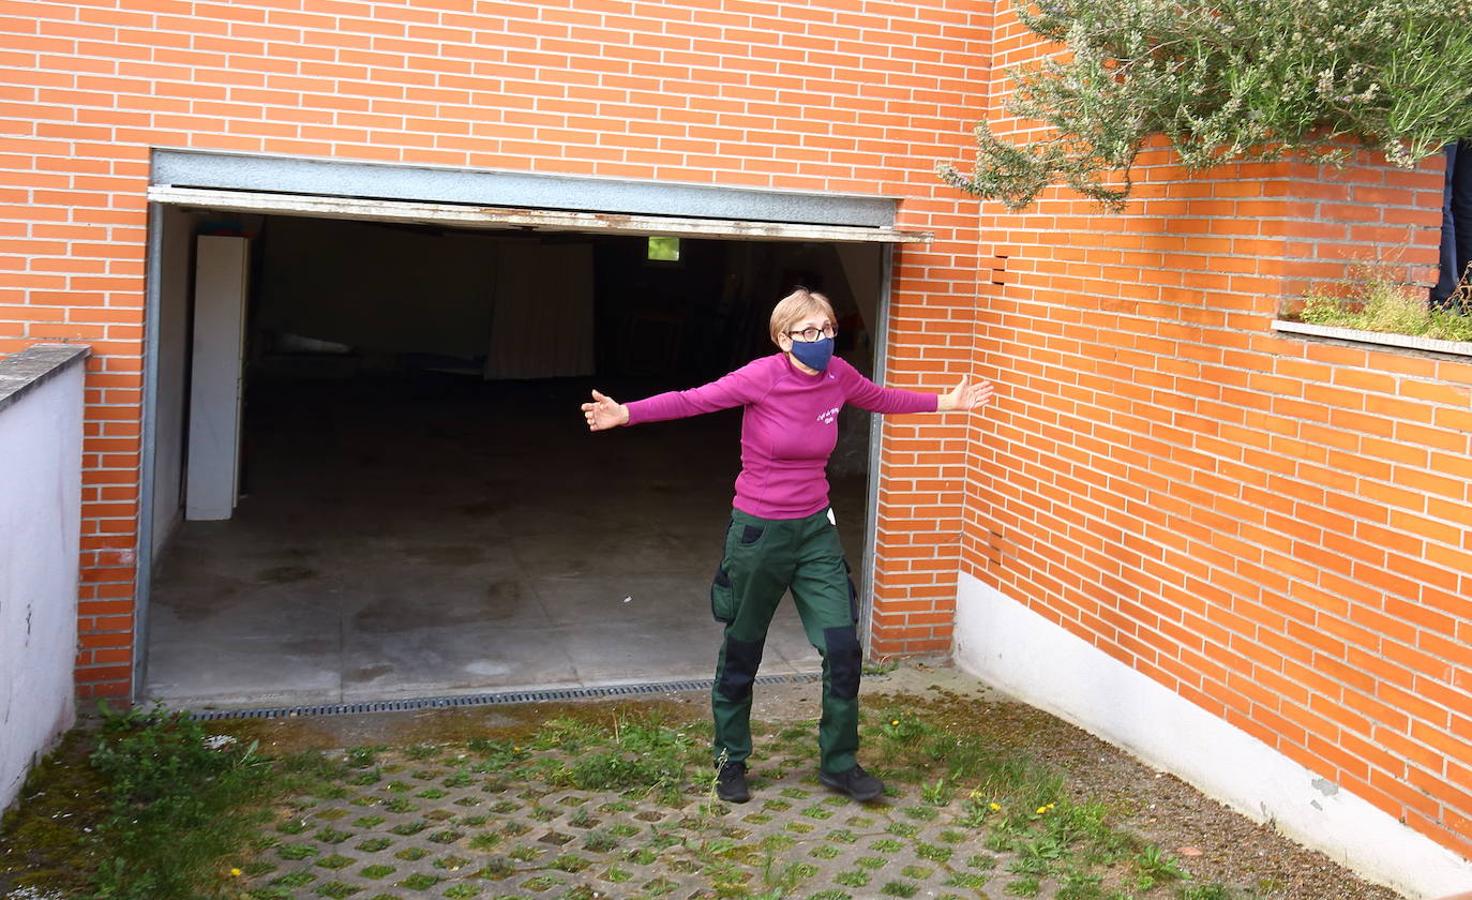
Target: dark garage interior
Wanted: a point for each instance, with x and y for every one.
(421, 510)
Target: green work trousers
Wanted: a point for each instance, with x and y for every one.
(762, 560)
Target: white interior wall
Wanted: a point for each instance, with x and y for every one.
(212, 471)
(40, 521)
(173, 356)
(1021, 653)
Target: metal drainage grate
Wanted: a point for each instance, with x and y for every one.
(499, 699)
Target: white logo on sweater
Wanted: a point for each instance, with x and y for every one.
(827, 417)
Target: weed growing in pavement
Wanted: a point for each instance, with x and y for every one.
(1020, 809)
(600, 842)
(880, 667)
(612, 770)
(781, 880)
(1153, 867)
(181, 803)
(568, 734)
(363, 757)
(495, 756)
(710, 799)
(642, 757)
(937, 794)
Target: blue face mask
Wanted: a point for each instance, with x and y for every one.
(814, 354)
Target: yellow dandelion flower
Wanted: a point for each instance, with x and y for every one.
(894, 721)
(234, 873)
(995, 806)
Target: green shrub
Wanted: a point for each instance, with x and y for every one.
(1226, 80)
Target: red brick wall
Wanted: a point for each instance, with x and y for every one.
(1278, 529)
(833, 96)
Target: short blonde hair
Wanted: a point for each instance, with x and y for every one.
(797, 306)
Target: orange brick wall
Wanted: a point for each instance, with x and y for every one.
(1278, 529)
(835, 96)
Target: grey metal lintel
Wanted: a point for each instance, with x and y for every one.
(485, 187)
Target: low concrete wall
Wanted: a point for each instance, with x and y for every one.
(1018, 652)
(40, 528)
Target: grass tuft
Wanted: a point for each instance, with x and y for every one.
(1373, 301)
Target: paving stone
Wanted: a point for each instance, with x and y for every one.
(470, 835)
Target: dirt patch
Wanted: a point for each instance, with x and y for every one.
(43, 837)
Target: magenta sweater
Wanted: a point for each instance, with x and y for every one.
(789, 427)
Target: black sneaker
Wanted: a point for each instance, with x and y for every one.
(731, 783)
(857, 783)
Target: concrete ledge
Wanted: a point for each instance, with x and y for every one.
(34, 366)
(1381, 338)
(1022, 654)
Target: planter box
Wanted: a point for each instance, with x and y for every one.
(1386, 339)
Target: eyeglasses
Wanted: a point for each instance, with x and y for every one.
(808, 335)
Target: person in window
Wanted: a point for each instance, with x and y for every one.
(782, 533)
(1456, 226)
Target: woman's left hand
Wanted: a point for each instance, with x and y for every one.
(966, 397)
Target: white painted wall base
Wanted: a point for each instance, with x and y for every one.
(1030, 658)
(40, 534)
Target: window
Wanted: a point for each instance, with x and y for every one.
(664, 249)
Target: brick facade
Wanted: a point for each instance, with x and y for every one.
(1279, 530)
(780, 95)
(1276, 529)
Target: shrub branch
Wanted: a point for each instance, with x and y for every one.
(1226, 80)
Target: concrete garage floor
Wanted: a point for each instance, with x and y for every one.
(440, 535)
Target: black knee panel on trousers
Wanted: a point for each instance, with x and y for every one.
(742, 660)
(845, 660)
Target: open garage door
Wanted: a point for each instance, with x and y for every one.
(420, 520)
(515, 200)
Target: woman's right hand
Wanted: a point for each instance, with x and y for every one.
(605, 413)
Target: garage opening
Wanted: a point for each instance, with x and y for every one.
(412, 505)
